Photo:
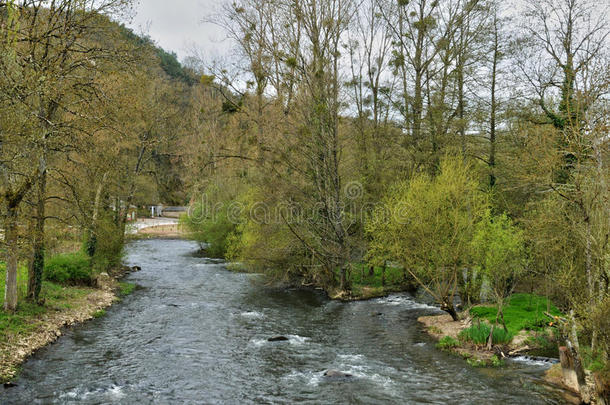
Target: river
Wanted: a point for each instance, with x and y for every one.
(197, 333)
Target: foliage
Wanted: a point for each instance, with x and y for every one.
(447, 342)
(70, 268)
(126, 288)
(498, 252)
(211, 229)
(171, 66)
(109, 245)
(479, 332)
(427, 224)
(22, 321)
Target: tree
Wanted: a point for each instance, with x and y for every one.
(498, 252)
(54, 47)
(427, 225)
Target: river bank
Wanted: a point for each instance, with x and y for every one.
(447, 332)
(197, 330)
(33, 327)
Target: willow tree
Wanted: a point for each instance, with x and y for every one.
(427, 224)
(498, 252)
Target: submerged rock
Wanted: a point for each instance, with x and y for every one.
(9, 385)
(277, 339)
(336, 374)
(136, 268)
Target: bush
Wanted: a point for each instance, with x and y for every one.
(447, 342)
(72, 268)
(478, 334)
(211, 228)
(109, 243)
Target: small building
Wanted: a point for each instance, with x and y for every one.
(156, 210)
(173, 212)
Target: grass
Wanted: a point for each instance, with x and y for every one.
(447, 342)
(55, 296)
(126, 288)
(99, 313)
(478, 334)
(523, 312)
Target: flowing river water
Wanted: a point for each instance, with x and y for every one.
(197, 333)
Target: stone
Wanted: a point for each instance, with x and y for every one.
(336, 374)
(277, 339)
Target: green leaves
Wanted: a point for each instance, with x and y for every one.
(498, 250)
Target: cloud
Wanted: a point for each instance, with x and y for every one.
(177, 26)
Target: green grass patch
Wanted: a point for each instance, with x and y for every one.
(126, 288)
(55, 296)
(99, 313)
(523, 312)
(478, 334)
(447, 343)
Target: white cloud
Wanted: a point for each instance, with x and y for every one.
(177, 25)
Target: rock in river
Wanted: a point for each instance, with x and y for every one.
(336, 374)
(277, 339)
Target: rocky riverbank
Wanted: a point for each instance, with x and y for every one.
(442, 326)
(47, 326)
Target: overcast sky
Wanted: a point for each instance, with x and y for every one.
(176, 25)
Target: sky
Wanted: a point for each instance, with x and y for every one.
(176, 25)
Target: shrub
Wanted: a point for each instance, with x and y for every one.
(109, 243)
(478, 334)
(447, 342)
(213, 229)
(72, 268)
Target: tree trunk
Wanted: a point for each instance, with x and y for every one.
(447, 307)
(36, 265)
(92, 234)
(490, 338)
(492, 117)
(573, 346)
(12, 249)
(342, 282)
